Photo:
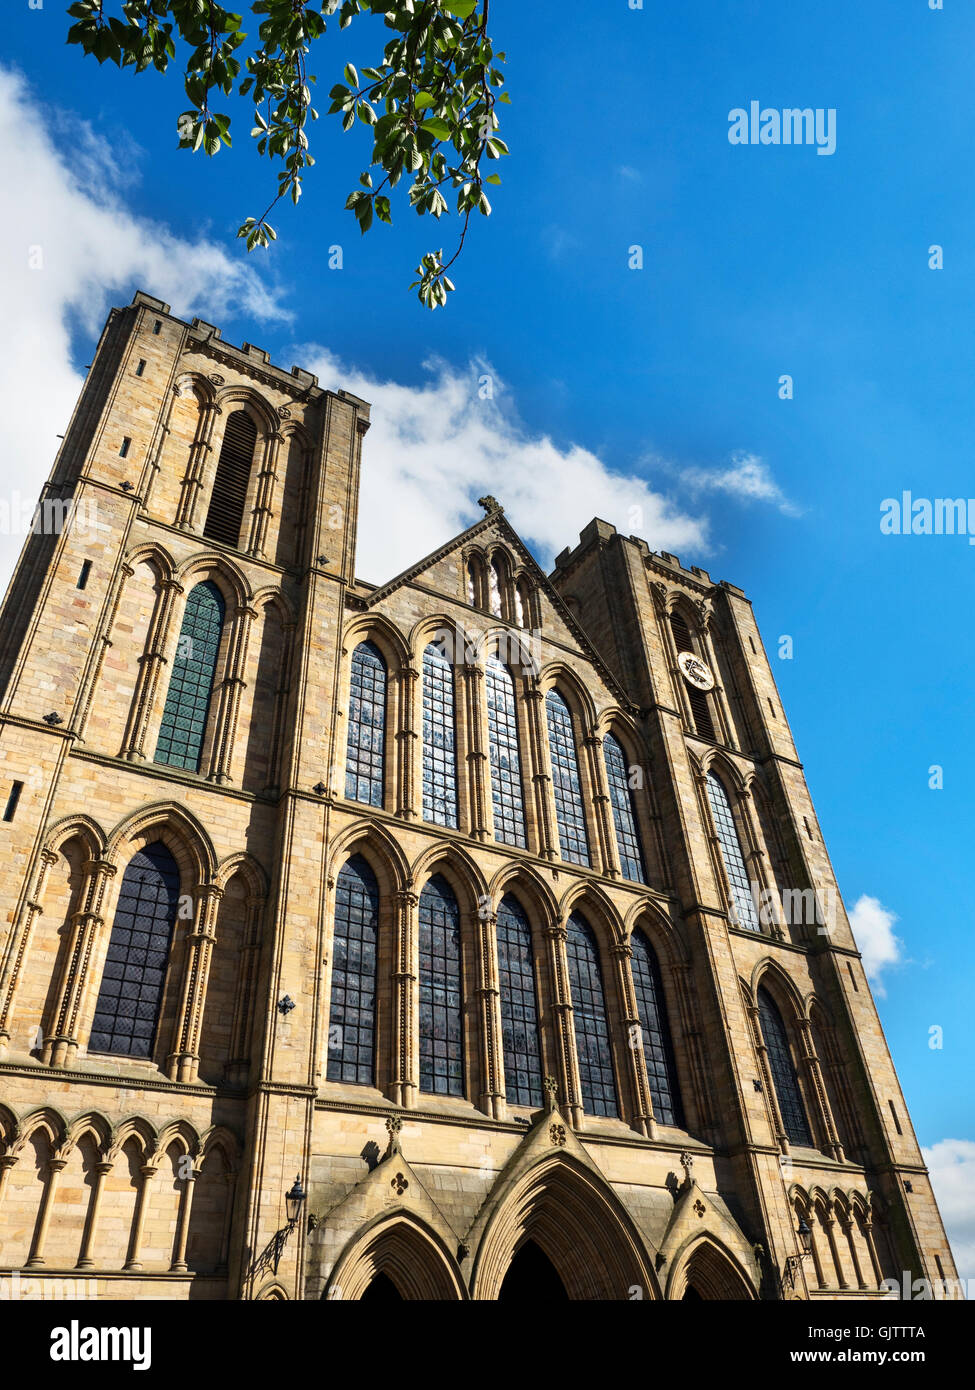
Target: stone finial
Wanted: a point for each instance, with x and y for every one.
(394, 1125)
(687, 1163)
(551, 1088)
(490, 504)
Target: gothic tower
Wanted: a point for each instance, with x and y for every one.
(485, 911)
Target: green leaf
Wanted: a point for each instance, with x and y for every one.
(422, 101)
(437, 128)
(463, 9)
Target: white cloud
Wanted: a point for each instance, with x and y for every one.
(434, 449)
(873, 925)
(92, 251)
(747, 478)
(951, 1164)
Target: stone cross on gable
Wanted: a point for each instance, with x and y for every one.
(551, 1087)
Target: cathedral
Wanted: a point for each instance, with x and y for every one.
(469, 936)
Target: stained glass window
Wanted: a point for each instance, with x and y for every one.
(439, 744)
(127, 1008)
(657, 1046)
(367, 726)
(352, 1012)
(506, 792)
(569, 815)
(519, 1006)
(521, 605)
(624, 815)
(734, 861)
(494, 590)
(183, 727)
(591, 1024)
(441, 994)
(784, 1077)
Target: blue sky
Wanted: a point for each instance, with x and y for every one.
(660, 386)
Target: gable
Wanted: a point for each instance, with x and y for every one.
(439, 582)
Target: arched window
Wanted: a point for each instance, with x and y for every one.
(522, 604)
(494, 588)
(471, 583)
(742, 902)
(784, 1077)
(700, 708)
(624, 814)
(569, 814)
(352, 1011)
(441, 994)
(226, 511)
(439, 742)
(657, 1046)
(519, 1006)
(506, 793)
(365, 760)
(181, 733)
(591, 1024)
(127, 1009)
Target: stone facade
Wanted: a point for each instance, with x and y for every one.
(165, 1175)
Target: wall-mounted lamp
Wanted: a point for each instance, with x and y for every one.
(294, 1201)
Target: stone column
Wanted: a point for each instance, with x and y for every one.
(478, 771)
(7, 1161)
(13, 960)
(132, 1260)
(847, 1227)
(238, 1066)
(93, 670)
(150, 665)
(36, 1257)
(229, 690)
(492, 1099)
(405, 738)
(91, 1224)
(829, 1221)
(405, 1054)
(762, 887)
(160, 444)
(61, 1045)
(817, 1087)
(871, 1248)
(266, 486)
(607, 851)
(565, 1043)
(193, 479)
(179, 1265)
(642, 1118)
(543, 805)
(184, 1060)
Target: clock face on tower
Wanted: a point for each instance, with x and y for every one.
(695, 672)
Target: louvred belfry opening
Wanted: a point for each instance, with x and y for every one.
(226, 512)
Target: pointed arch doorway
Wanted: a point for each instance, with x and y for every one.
(532, 1278)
